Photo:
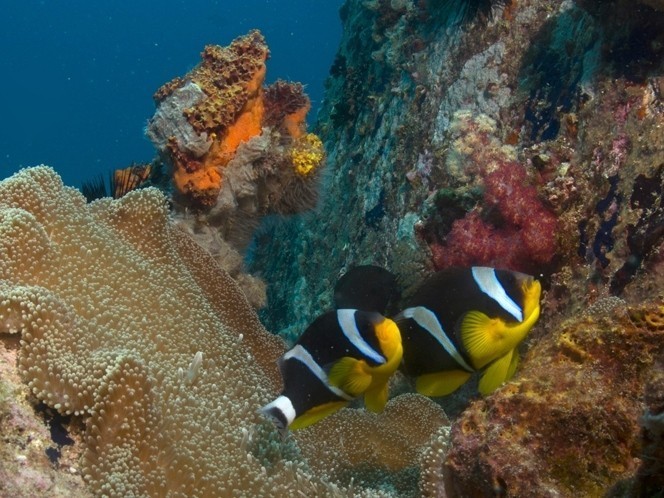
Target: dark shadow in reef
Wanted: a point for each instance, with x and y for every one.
(563, 55)
(625, 39)
(465, 10)
(58, 427)
(633, 37)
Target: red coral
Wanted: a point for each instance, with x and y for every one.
(511, 230)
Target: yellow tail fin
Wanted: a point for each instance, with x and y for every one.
(376, 398)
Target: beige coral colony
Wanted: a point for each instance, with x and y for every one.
(524, 135)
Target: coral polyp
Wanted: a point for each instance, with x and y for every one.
(307, 154)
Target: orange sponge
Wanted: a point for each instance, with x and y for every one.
(234, 108)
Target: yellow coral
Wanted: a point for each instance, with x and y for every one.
(307, 154)
(649, 317)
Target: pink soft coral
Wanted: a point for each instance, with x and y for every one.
(520, 235)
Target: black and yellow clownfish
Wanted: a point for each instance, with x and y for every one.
(464, 320)
(342, 355)
(367, 288)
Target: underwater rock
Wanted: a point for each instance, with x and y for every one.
(204, 118)
(422, 108)
(539, 124)
(569, 424)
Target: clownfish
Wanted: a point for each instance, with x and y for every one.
(367, 288)
(466, 320)
(342, 355)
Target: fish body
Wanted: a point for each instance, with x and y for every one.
(342, 355)
(464, 320)
(367, 288)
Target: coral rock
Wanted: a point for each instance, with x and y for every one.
(203, 118)
(578, 394)
(221, 102)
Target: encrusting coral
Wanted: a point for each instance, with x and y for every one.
(225, 110)
(203, 118)
(131, 328)
(503, 445)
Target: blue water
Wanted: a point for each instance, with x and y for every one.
(78, 75)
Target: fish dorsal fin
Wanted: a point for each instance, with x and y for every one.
(497, 373)
(350, 375)
(482, 337)
(367, 288)
(376, 398)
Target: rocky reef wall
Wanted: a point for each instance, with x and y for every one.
(523, 134)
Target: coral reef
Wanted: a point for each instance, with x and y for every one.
(528, 137)
(218, 105)
(443, 135)
(510, 227)
(203, 118)
(237, 151)
(503, 446)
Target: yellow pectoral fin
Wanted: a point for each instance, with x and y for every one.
(497, 373)
(481, 336)
(316, 414)
(441, 383)
(350, 375)
(376, 398)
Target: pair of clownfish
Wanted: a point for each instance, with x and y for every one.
(458, 322)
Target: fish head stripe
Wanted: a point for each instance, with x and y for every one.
(427, 319)
(488, 282)
(302, 355)
(346, 319)
(284, 406)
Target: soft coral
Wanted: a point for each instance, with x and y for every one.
(512, 229)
